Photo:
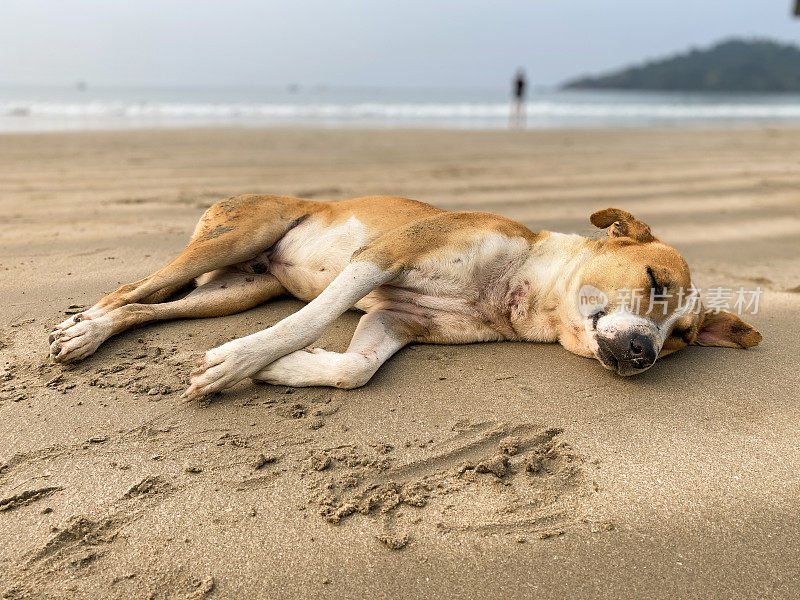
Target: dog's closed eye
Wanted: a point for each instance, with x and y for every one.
(682, 334)
(654, 282)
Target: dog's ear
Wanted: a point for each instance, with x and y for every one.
(727, 330)
(622, 224)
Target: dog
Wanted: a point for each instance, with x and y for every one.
(420, 274)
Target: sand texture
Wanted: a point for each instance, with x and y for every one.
(493, 470)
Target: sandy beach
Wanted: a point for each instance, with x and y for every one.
(493, 470)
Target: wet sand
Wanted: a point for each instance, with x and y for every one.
(493, 470)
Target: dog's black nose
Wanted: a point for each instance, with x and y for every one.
(638, 345)
(641, 352)
(627, 353)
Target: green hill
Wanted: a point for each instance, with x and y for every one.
(730, 66)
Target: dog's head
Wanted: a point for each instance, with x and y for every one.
(638, 303)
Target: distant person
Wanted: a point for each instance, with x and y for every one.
(517, 119)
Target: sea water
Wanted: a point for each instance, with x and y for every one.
(84, 107)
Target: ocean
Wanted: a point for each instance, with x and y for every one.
(80, 107)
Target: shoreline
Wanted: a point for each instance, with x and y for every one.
(738, 125)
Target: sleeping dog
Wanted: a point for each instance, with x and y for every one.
(419, 274)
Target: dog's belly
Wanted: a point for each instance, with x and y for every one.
(311, 255)
(460, 294)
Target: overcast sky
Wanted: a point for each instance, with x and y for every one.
(388, 43)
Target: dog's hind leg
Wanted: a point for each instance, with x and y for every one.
(227, 292)
(232, 231)
(378, 336)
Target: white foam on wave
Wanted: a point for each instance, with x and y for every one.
(541, 113)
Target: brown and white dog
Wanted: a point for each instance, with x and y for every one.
(420, 274)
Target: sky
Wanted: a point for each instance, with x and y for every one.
(381, 43)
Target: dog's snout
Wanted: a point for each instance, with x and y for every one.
(627, 354)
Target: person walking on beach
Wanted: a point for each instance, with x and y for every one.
(519, 84)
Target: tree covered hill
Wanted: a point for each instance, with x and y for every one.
(731, 66)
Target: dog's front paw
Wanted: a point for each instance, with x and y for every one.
(221, 368)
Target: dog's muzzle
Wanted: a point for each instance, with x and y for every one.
(627, 353)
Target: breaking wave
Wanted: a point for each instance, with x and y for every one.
(45, 115)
